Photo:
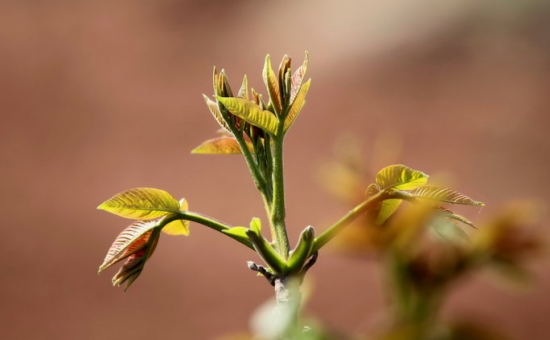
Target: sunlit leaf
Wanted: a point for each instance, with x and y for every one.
(141, 203)
(243, 91)
(443, 195)
(297, 105)
(256, 225)
(130, 240)
(272, 85)
(213, 107)
(220, 146)
(178, 227)
(297, 78)
(400, 177)
(387, 208)
(251, 113)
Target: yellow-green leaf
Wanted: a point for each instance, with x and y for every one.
(256, 225)
(387, 208)
(297, 105)
(141, 204)
(251, 113)
(213, 107)
(243, 91)
(297, 78)
(272, 85)
(129, 241)
(178, 227)
(220, 146)
(443, 195)
(400, 177)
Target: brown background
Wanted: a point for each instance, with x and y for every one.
(101, 96)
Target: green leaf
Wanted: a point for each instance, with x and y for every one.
(141, 204)
(243, 91)
(220, 146)
(238, 232)
(297, 78)
(400, 177)
(178, 227)
(387, 208)
(256, 225)
(297, 105)
(443, 195)
(215, 110)
(129, 241)
(302, 251)
(272, 85)
(251, 113)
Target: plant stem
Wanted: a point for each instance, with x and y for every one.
(212, 223)
(337, 227)
(278, 214)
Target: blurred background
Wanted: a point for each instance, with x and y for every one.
(101, 96)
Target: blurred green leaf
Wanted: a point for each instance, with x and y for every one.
(443, 195)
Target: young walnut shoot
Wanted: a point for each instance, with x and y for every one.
(256, 128)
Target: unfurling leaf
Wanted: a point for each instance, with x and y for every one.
(141, 203)
(400, 177)
(297, 78)
(129, 241)
(297, 105)
(256, 225)
(178, 227)
(449, 214)
(443, 195)
(449, 230)
(213, 107)
(243, 91)
(251, 113)
(372, 190)
(387, 208)
(220, 146)
(272, 85)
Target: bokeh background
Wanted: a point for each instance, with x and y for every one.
(100, 96)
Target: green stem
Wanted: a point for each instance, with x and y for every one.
(278, 212)
(337, 227)
(210, 223)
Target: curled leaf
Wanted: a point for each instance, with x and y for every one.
(251, 113)
(129, 241)
(400, 177)
(141, 203)
(220, 146)
(297, 105)
(213, 107)
(272, 85)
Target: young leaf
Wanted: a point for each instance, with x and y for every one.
(443, 195)
(178, 227)
(297, 78)
(449, 230)
(297, 105)
(387, 208)
(220, 146)
(251, 113)
(243, 91)
(213, 107)
(372, 190)
(400, 177)
(272, 85)
(128, 242)
(256, 225)
(141, 204)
